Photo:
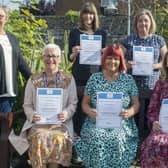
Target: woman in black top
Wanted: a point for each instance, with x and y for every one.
(89, 24)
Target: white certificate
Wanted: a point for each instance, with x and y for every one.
(90, 52)
(109, 106)
(49, 104)
(143, 58)
(163, 117)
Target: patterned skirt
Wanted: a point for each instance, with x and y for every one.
(154, 151)
(49, 144)
(107, 148)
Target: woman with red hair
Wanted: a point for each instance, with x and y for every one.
(109, 147)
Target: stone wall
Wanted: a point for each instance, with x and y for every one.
(114, 25)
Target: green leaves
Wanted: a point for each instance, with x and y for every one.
(30, 32)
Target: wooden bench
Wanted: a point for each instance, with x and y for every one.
(6, 120)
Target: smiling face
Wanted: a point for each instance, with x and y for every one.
(112, 64)
(3, 17)
(51, 59)
(143, 25)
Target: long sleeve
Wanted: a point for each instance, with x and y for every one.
(70, 106)
(23, 68)
(29, 101)
(74, 39)
(155, 104)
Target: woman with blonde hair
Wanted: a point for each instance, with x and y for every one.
(145, 27)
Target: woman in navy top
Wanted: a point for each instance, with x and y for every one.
(145, 28)
(89, 24)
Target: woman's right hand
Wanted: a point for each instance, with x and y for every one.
(156, 126)
(36, 118)
(75, 52)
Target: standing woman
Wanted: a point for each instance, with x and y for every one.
(89, 24)
(11, 62)
(145, 27)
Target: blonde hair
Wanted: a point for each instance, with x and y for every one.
(89, 7)
(165, 66)
(52, 46)
(6, 10)
(149, 14)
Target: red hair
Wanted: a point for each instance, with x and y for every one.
(115, 51)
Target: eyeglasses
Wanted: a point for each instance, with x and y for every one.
(51, 56)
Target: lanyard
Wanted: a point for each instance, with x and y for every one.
(45, 82)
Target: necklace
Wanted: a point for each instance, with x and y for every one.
(47, 83)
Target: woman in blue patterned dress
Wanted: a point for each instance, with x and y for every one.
(145, 27)
(109, 147)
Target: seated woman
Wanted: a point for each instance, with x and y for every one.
(109, 147)
(154, 150)
(48, 144)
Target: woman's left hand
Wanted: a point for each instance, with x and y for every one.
(157, 66)
(61, 117)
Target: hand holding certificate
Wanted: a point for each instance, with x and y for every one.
(49, 105)
(109, 106)
(143, 58)
(163, 117)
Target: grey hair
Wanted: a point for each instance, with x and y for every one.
(52, 46)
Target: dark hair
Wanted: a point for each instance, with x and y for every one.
(165, 65)
(89, 7)
(114, 50)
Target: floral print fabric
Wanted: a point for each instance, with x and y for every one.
(154, 150)
(49, 144)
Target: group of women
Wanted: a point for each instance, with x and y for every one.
(50, 145)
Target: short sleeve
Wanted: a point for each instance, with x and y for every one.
(161, 41)
(125, 42)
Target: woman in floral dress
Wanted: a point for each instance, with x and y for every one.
(154, 150)
(109, 147)
(48, 144)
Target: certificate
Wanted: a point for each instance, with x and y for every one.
(49, 104)
(109, 106)
(90, 52)
(143, 58)
(163, 117)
